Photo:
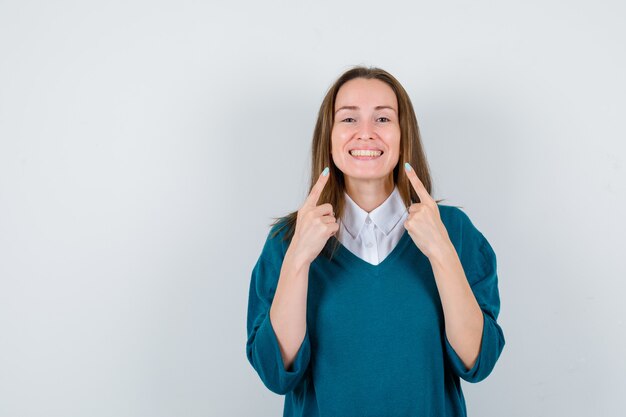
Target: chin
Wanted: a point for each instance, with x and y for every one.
(363, 176)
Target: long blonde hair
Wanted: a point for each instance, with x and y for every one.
(411, 151)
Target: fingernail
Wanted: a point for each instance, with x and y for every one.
(325, 171)
(407, 166)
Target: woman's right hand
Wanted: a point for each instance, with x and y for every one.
(314, 224)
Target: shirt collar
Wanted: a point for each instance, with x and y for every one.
(385, 216)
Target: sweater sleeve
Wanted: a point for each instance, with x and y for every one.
(262, 346)
(479, 263)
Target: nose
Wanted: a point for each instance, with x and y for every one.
(366, 130)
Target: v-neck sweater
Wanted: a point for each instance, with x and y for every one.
(375, 342)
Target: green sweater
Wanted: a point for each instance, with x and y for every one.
(375, 343)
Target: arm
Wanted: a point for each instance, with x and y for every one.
(288, 311)
(278, 344)
(279, 355)
(467, 284)
(473, 342)
(462, 314)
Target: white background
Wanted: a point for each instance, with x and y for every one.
(146, 145)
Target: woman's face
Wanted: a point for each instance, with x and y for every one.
(366, 119)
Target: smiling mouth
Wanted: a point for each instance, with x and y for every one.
(363, 154)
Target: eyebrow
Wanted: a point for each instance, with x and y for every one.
(357, 108)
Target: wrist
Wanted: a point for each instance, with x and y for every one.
(443, 254)
(294, 258)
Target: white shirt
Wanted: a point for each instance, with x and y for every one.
(372, 236)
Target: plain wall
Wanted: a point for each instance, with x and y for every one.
(146, 145)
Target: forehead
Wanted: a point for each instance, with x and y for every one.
(363, 92)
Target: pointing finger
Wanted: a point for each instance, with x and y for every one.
(316, 191)
(419, 188)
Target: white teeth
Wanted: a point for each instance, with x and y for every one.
(365, 153)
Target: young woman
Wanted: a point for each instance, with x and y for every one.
(372, 299)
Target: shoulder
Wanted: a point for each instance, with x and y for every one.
(266, 271)
(475, 251)
(461, 229)
(275, 245)
(454, 218)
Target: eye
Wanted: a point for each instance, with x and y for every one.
(383, 119)
(348, 120)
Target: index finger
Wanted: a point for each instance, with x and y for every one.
(419, 188)
(316, 191)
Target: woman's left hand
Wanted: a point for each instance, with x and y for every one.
(424, 222)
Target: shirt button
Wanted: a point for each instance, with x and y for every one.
(368, 221)
(368, 244)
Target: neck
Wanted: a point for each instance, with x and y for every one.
(369, 194)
